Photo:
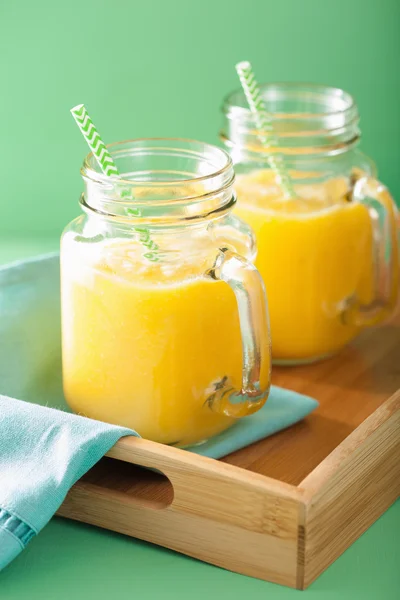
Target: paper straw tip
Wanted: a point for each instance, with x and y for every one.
(244, 64)
(76, 108)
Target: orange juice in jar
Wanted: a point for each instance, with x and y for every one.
(163, 341)
(328, 256)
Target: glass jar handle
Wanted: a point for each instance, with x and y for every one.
(248, 287)
(386, 275)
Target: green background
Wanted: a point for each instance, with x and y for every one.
(161, 68)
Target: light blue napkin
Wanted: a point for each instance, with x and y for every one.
(44, 451)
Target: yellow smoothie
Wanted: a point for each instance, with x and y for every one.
(315, 255)
(146, 344)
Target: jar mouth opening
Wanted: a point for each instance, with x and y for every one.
(195, 163)
(306, 119)
(292, 100)
(161, 179)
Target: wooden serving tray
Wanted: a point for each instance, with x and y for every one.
(282, 509)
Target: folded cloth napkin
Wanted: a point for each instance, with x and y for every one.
(44, 451)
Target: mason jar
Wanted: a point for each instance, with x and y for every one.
(164, 316)
(329, 256)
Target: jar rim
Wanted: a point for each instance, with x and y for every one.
(162, 179)
(91, 170)
(305, 119)
(321, 91)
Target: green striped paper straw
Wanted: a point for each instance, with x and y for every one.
(263, 121)
(109, 168)
(94, 141)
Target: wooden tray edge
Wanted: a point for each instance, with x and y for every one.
(220, 514)
(326, 469)
(172, 461)
(350, 490)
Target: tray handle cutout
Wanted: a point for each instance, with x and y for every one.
(144, 487)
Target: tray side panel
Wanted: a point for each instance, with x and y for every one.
(352, 488)
(206, 487)
(219, 514)
(238, 549)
